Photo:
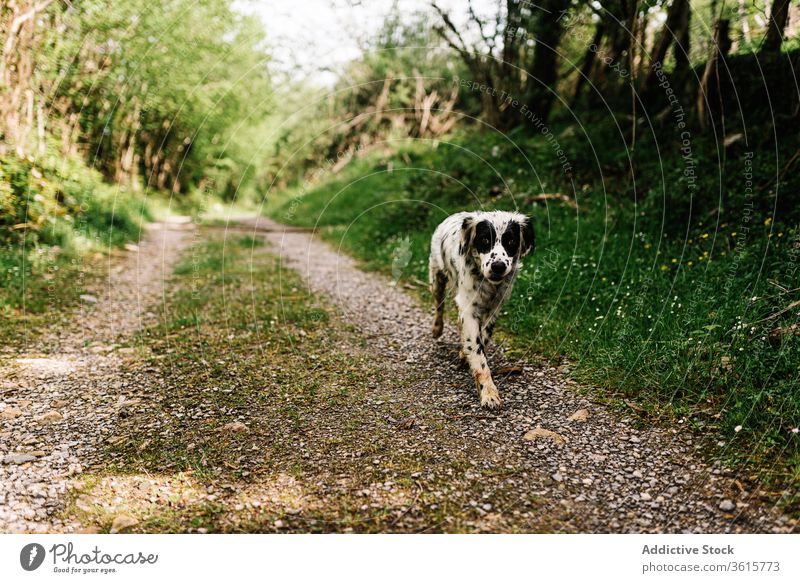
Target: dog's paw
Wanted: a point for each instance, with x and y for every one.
(437, 329)
(490, 398)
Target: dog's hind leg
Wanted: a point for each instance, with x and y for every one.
(438, 286)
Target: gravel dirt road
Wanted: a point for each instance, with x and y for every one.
(550, 460)
(60, 402)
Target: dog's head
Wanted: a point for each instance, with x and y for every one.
(496, 241)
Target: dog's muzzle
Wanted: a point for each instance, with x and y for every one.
(498, 271)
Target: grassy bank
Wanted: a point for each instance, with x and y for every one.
(58, 220)
(660, 304)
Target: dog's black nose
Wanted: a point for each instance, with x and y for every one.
(498, 268)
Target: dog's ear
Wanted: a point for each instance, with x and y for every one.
(527, 237)
(467, 234)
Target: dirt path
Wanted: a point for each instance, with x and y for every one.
(396, 442)
(606, 477)
(57, 405)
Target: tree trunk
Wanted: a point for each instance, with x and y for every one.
(588, 62)
(637, 68)
(709, 85)
(676, 17)
(631, 10)
(506, 76)
(681, 48)
(777, 24)
(16, 71)
(510, 53)
(547, 30)
(618, 21)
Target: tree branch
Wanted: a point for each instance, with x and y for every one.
(17, 23)
(449, 23)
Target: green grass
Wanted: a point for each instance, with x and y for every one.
(227, 301)
(662, 306)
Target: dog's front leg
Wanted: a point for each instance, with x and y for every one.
(487, 327)
(473, 349)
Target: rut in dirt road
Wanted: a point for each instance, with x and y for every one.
(60, 403)
(596, 473)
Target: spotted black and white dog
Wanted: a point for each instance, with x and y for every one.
(478, 255)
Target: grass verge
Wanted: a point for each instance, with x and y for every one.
(58, 220)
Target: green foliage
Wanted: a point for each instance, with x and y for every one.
(373, 104)
(172, 87)
(171, 95)
(58, 201)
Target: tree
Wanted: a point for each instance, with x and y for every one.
(515, 57)
(779, 16)
(493, 60)
(589, 60)
(676, 30)
(709, 85)
(20, 108)
(547, 30)
(619, 17)
(145, 94)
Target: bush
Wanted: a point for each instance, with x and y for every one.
(55, 215)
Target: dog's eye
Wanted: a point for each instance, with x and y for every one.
(485, 242)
